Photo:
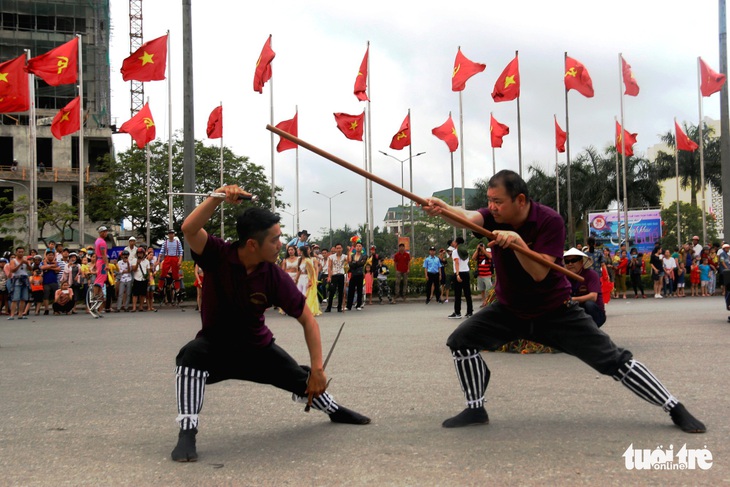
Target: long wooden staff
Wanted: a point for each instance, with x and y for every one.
(421, 201)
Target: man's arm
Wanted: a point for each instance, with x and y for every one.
(317, 379)
(436, 206)
(192, 227)
(537, 271)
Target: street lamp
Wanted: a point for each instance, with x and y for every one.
(330, 198)
(31, 213)
(402, 183)
(293, 217)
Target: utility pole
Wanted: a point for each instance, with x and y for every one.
(188, 116)
(724, 123)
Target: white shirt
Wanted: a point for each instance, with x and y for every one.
(143, 267)
(697, 249)
(463, 265)
(338, 264)
(669, 263)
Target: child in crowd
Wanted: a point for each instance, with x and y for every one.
(704, 276)
(694, 276)
(681, 272)
(368, 284)
(383, 272)
(36, 290)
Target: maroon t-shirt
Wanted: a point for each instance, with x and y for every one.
(543, 232)
(234, 301)
(591, 284)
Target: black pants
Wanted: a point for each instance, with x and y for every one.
(459, 288)
(433, 280)
(223, 361)
(637, 284)
(568, 328)
(356, 282)
(595, 312)
(337, 283)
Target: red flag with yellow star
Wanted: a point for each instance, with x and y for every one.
(141, 127)
(447, 133)
(58, 66)
(361, 81)
(351, 125)
(292, 127)
(263, 67)
(632, 87)
(148, 63)
(67, 121)
(403, 137)
(14, 92)
(577, 78)
(630, 140)
(507, 87)
(684, 142)
(463, 70)
(560, 136)
(710, 81)
(497, 131)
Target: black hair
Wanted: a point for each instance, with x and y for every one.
(591, 241)
(512, 183)
(401, 245)
(19, 248)
(459, 240)
(338, 243)
(254, 222)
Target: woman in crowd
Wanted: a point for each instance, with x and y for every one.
(669, 265)
(64, 301)
(608, 260)
(621, 271)
(307, 280)
(140, 280)
(152, 284)
(356, 262)
(635, 271)
(291, 263)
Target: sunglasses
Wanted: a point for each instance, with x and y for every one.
(573, 261)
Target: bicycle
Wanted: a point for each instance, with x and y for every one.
(93, 303)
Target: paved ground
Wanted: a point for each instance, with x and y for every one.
(91, 402)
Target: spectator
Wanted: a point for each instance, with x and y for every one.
(171, 256)
(681, 276)
(63, 300)
(36, 291)
(50, 279)
(14, 165)
(596, 256)
(483, 258)
(300, 240)
(657, 270)
(669, 265)
(124, 282)
(402, 261)
(111, 280)
(705, 269)
(140, 280)
(462, 275)
(336, 278)
(432, 274)
(382, 279)
(71, 274)
(696, 246)
(291, 263)
(4, 288)
(621, 273)
(635, 270)
(587, 293)
(448, 271)
(611, 270)
(356, 262)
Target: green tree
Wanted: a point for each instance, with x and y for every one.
(59, 216)
(690, 223)
(14, 216)
(689, 162)
(125, 184)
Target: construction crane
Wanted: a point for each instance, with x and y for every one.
(136, 88)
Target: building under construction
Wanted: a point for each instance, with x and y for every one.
(39, 26)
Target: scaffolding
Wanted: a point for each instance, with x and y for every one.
(136, 39)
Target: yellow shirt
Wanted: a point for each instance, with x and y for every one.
(111, 269)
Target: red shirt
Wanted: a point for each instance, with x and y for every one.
(402, 261)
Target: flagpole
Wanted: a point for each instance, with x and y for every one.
(410, 171)
(618, 195)
(623, 151)
(571, 224)
(519, 131)
(702, 155)
(169, 141)
(296, 159)
(676, 180)
(365, 166)
(557, 182)
(371, 219)
(33, 191)
(494, 161)
(271, 138)
(453, 191)
(223, 232)
(147, 158)
(461, 151)
(82, 165)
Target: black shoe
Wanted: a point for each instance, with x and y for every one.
(185, 449)
(45, 313)
(348, 416)
(467, 417)
(455, 316)
(688, 423)
(468, 315)
(427, 301)
(328, 310)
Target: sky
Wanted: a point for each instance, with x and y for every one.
(319, 46)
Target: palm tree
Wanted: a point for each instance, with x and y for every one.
(689, 162)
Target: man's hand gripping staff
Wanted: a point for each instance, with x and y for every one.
(310, 395)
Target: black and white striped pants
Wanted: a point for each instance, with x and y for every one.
(568, 329)
(203, 361)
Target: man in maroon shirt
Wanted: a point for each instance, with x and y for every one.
(588, 293)
(533, 302)
(402, 261)
(241, 281)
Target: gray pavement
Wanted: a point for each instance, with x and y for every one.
(91, 402)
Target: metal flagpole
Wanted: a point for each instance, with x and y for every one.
(453, 191)
(371, 219)
(147, 154)
(82, 164)
(623, 153)
(223, 231)
(676, 180)
(271, 117)
(33, 181)
(571, 223)
(494, 160)
(519, 133)
(169, 141)
(702, 156)
(410, 170)
(618, 196)
(461, 147)
(557, 182)
(296, 164)
(365, 166)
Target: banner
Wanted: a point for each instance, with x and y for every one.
(645, 229)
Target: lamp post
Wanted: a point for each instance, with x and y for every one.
(31, 214)
(293, 217)
(330, 198)
(402, 183)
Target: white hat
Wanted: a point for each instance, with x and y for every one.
(587, 261)
(133, 238)
(451, 249)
